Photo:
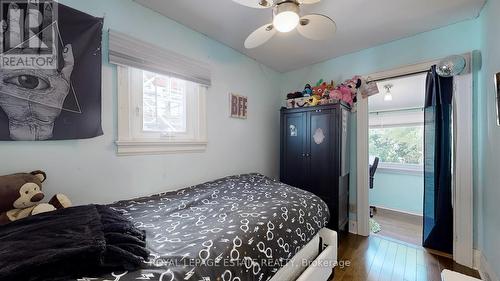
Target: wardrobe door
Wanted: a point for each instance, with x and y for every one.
(321, 143)
(294, 149)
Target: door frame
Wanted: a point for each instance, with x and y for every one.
(462, 187)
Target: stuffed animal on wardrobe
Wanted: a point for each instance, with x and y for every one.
(21, 196)
(308, 91)
(321, 89)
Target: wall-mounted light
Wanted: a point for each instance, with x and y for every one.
(388, 94)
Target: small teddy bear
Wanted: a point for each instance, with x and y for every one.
(21, 195)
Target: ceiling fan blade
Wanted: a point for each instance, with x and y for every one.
(309, 1)
(260, 36)
(317, 27)
(258, 4)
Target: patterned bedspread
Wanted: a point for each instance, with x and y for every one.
(237, 228)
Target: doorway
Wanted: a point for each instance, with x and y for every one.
(396, 154)
(462, 156)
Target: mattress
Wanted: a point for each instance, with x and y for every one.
(238, 228)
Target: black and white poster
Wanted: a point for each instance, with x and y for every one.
(50, 72)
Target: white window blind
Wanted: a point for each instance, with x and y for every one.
(128, 51)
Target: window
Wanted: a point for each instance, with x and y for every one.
(398, 141)
(161, 114)
(161, 98)
(164, 103)
(398, 145)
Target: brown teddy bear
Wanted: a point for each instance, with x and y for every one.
(20, 196)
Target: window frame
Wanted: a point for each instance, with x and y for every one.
(133, 141)
(398, 168)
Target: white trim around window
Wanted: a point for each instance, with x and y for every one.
(131, 138)
(404, 169)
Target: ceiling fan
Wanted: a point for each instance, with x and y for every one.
(286, 18)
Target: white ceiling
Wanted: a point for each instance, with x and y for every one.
(407, 92)
(361, 24)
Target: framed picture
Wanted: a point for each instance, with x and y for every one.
(497, 88)
(238, 106)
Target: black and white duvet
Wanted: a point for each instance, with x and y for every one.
(237, 228)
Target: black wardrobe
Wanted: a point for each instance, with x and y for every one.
(315, 155)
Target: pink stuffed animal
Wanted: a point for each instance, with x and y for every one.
(346, 95)
(336, 94)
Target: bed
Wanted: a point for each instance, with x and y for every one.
(238, 228)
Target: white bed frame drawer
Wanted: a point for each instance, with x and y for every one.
(448, 275)
(310, 263)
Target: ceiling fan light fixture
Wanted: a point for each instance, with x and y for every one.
(286, 16)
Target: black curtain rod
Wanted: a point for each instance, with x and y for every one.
(399, 76)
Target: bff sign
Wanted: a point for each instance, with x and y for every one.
(29, 36)
(238, 106)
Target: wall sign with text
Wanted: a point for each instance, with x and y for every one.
(238, 106)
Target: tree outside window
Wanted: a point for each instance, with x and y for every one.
(397, 145)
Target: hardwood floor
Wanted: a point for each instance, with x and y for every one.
(400, 226)
(378, 258)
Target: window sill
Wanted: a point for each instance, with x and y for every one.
(153, 147)
(414, 170)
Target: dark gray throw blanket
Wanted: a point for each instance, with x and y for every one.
(70, 243)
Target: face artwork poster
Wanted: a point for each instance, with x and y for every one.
(50, 68)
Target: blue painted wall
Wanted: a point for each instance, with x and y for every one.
(488, 149)
(397, 191)
(260, 83)
(90, 171)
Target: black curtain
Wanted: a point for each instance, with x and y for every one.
(438, 210)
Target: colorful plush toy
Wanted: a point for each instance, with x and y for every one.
(354, 84)
(21, 195)
(330, 87)
(346, 93)
(308, 91)
(336, 94)
(313, 100)
(295, 95)
(320, 89)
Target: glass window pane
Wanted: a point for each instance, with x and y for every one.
(164, 103)
(402, 145)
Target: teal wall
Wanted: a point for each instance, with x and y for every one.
(489, 137)
(453, 39)
(398, 191)
(89, 171)
(235, 72)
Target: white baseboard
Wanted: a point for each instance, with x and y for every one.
(484, 268)
(353, 227)
(398, 211)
